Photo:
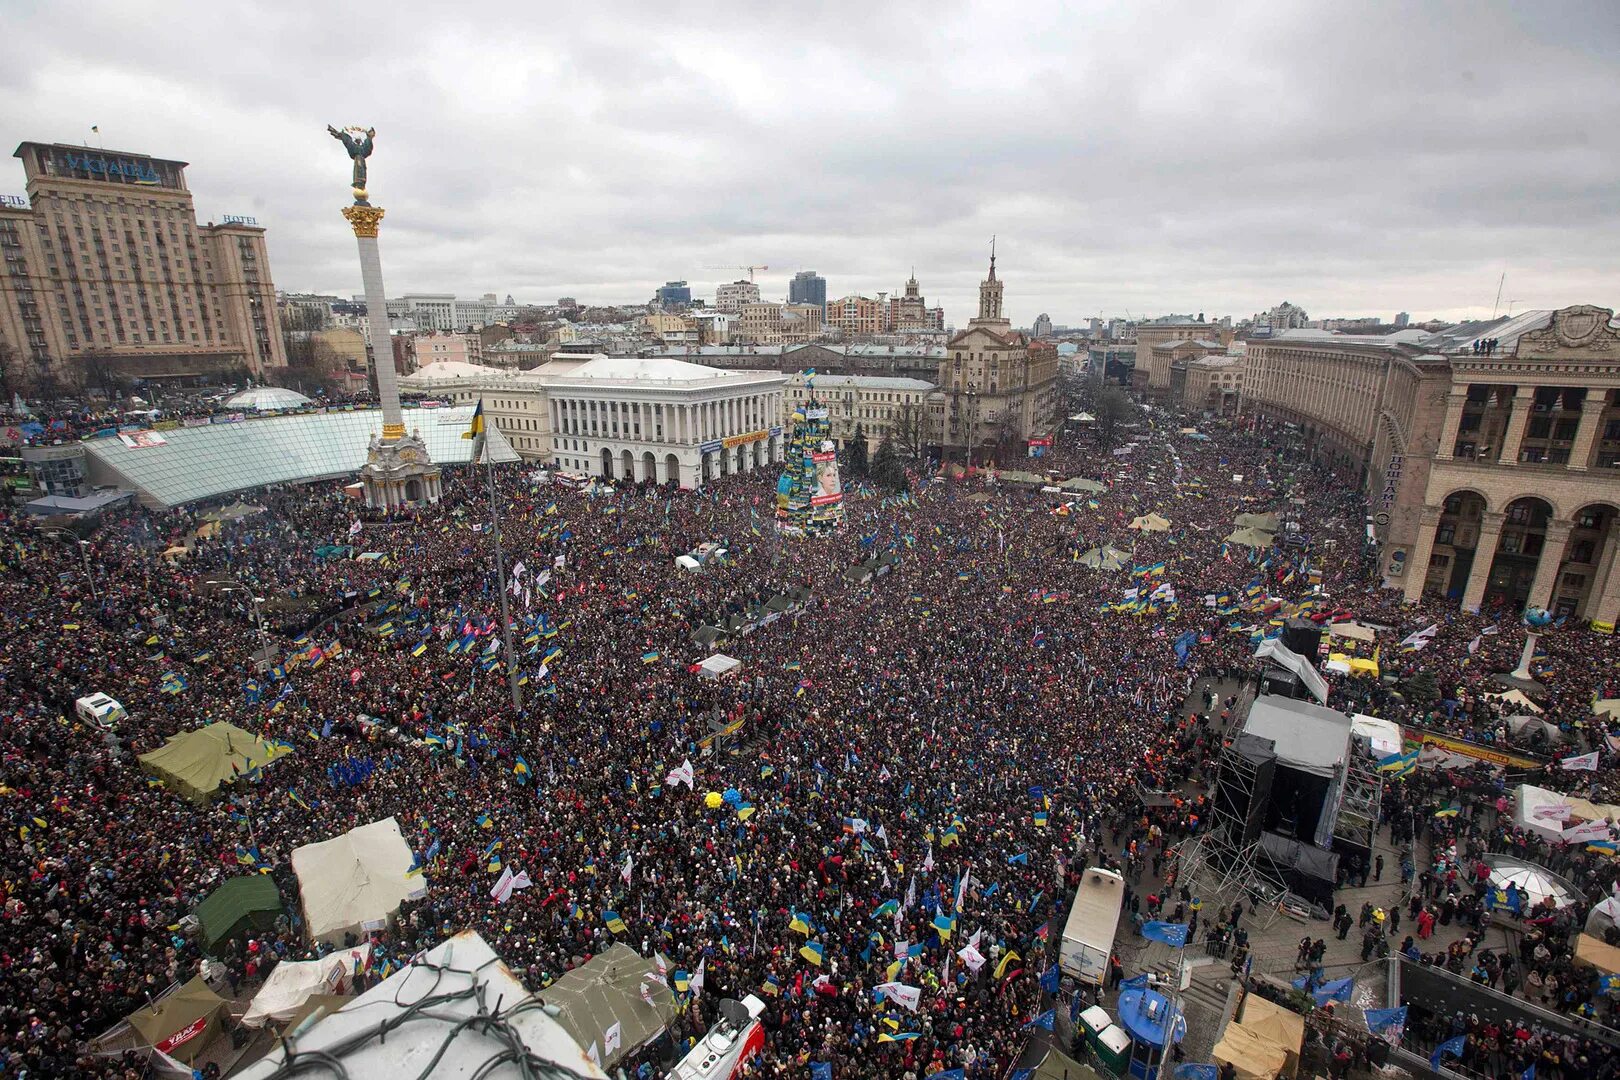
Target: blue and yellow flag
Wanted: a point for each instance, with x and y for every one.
(812, 951)
(475, 429)
(614, 923)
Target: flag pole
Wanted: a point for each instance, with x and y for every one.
(500, 579)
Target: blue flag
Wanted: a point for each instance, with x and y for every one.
(949, 1074)
(1454, 1047)
(1199, 1071)
(1044, 1021)
(1337, 990)
(1379, 1020)
(1173, 934)
(1135, 982)
(1530, 1073)
(820, 1070)
(1049, 979)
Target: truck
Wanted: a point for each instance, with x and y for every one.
(736, 1039)
(1088, 936)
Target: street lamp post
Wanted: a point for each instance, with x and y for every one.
(232, 585)
(70, 537)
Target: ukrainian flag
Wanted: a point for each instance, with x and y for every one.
(521, 766)
(475, 429)
(1040, 819)
(649, 657)
(800, 924)
(614, 923)
(904, 1036)
(812, 951)
(421, 647)
(1399, 764)
(683, 981)
(1451, 811)
(943, 925)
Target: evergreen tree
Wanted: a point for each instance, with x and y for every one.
(887, 471)
(855, 453)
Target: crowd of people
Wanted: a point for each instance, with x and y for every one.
(929, 758)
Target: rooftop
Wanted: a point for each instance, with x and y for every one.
(866, 382)
(192, 463)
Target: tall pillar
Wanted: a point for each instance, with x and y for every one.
(1490, 534)
(365, 221)
(1586, 434)
(1417, 564)
(1552, 559)
(1455, 401)
(1518, 417)
(1603, 601)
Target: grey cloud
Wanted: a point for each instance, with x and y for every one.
(1351, 158)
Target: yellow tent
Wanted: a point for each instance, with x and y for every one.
(1150, 523)
(1595, 952)
(1607, 707)
(1271, 1021)
(1255, 1057)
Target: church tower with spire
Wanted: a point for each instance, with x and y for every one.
(990, 298)
(1000, 388)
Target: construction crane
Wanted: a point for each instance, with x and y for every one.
(750, 269)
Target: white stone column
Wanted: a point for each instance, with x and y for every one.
(1518, 417)
(1417, 563)
(1552, 558)
(1455, 401)
(1603, 597)
(1586, 434)
(1490, 534)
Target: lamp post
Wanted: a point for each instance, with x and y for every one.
(234, 585)
(70, 537)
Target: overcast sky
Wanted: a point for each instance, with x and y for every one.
(1357, 158)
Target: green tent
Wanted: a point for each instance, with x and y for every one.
(1080, 483)
(241, 904)
(195, 763)
(1263, 522)
(1105, 558)
(1254, 538)
(617, 989)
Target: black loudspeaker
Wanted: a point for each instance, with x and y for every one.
(1244, 789)
(1303, 637)
(1282, 682)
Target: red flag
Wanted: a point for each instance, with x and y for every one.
(354, 677)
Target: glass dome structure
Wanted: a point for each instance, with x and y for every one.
(267, 398)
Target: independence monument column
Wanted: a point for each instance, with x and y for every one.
(397, 471)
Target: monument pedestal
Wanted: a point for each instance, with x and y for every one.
(398, 473)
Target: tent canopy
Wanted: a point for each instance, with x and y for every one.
(1254, 538)
(1383, 737)
(195, 763)
(1595, 952)
(1271, 1021)
(607, 991)
(1150, 523)
(1353, 630)
(1307, 737)
(292, 983)
(1535, 882)
(1105, 558)
(1253, 1056)
(1515, 697)
(1274, 650)
(1541, 811)
(354, 882)
(1081, 483)
(239, 905)
(183, 1023)
(1263, 522)
(1607, 707)
(1057, 1065)
(718, 664)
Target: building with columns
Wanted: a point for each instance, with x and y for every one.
(664, 420)
(1493, 478)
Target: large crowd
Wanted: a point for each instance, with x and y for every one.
(993, 710)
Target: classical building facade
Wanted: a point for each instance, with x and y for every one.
(1210, 384)
(909, 411)
(733, 296)
(664, 420)
(657, 419)
(107, 268)
(1492, 478)
(998, 386)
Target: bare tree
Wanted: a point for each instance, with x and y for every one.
(1111, 409)
(910, 430)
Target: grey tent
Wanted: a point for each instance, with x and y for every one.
(1263, 522)
(606, 993)
(1105, 558)
(183, 1023)
(1250, 537)
(236, 907)
(1080, 483)
(707, 635)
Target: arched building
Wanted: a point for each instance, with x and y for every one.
(1490, 453)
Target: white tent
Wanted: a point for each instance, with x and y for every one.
(292, 982)
(1384, 738)
(686, 562)
(1274, 650)
(1541, 811)
(355, 881)
(718, 664)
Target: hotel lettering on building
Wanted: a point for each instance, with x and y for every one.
(107, 272)
(1493, 477)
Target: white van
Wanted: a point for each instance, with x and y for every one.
(99, 709)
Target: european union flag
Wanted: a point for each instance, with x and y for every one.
(1454, 1047)
(1049, 979)
(1135, 982)
(1172, 934)
(820, 1070)
(1200, 1071)
(1379, 1020)
(1337, 990)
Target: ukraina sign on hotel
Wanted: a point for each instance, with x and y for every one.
(98, 166)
